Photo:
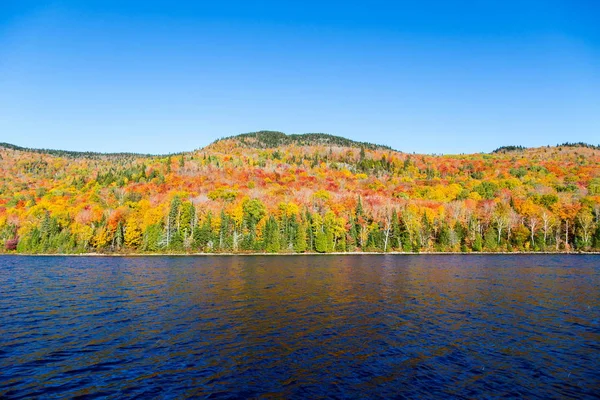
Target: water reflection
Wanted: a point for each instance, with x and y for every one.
(310, 327)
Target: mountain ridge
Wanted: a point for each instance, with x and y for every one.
(266, 139)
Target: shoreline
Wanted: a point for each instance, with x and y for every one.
(361, 253)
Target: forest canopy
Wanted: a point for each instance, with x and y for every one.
(271, 192)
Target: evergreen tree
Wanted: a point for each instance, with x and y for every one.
(321, 242)
(272, 237)
(187, 219)
(330, 239)
(151, 239)
(253, 211)
(172, 224)
(352, 242)
(119, 236)
(293, 227)
(596, 237)
(225, 232)
(478, 242)
(203, 235)
(490, 241)
(359, 208)
(300, 240)
(395, 233)
(443, 240)
(310, 234)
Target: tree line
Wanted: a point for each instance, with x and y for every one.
(249, 226)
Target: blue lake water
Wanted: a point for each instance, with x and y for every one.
(518, 326)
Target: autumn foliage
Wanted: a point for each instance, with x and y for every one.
(272, 193)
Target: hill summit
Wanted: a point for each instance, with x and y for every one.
(274, 139)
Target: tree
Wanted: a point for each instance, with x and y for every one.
(119, 237)
(500, 219)
(203, 238)
(567, 213)
(172, 225)
(272, 237)
(321, 242)
(300, 240)
(387, 228)
(253, 211)
(152, 238)
(596, 237)
(133, 231)
(531, 212)
(444, 238)
(586, 225)
(11, 244)
(396, 233)
(548, 222)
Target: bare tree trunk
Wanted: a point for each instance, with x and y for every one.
(586, 221)
(567, 234)
(388, 226)
(168, 230)
(532, 224)
(546, 219)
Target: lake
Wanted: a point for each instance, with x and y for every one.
(356, 326)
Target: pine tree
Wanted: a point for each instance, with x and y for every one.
(119, 236)
(395, 239)
(172, 220)
(330, 239)
(203, 235)
(444, 238)
(359, 208)
(272, 236)
(478, 242)
(352, 242)
(596, 238)
(253, 211)
(294, 226)
(300, 241)
(187, 217)
(321, 242)
(225, 232)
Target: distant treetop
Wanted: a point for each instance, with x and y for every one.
(506, 149)
(579, 144)
(271, 139)
(73, 154)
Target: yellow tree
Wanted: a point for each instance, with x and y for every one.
(133, 230)
(567, 212)
(532, 212)
(586, 225)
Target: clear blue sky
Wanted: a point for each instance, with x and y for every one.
(424, 76)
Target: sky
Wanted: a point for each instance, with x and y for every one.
(420, 76)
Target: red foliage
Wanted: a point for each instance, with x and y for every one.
(11, 244)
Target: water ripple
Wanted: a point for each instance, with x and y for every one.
(300, 327)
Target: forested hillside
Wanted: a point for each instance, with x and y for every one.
(271, 192)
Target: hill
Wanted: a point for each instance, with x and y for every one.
(273, 139)
(267, 191)
(70, 154)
